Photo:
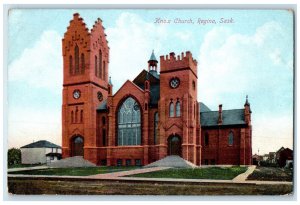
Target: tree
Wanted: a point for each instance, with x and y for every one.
(14, 156)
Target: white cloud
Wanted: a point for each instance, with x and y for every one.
(41, 65)
(184, 35)
(132, 40)
(232, 63)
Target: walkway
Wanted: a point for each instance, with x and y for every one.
(242, 177)
(114, 175)
(26, 168)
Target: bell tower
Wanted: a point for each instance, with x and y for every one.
(85, 86)
(178, 106)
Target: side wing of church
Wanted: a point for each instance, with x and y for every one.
(155, 115)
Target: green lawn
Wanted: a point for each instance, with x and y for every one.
(81, 171)
(226, 173)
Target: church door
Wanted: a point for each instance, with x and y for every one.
(77, 146)
(174, 145)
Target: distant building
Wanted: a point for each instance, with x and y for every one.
(256, 159)
(284, 156)
(265, 157)
(40, 152)
(272, 157)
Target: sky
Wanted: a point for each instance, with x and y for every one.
(252, 55)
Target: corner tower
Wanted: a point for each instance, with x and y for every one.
(178, 106)
(85, 85)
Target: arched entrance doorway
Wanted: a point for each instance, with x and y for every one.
(77, 146)
(174, 145)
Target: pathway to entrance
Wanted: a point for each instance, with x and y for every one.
(115, 175)
(242, 177)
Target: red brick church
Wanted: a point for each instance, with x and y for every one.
(155, 115)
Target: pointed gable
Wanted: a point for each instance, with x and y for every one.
(77, 33)
(99, 37)
(129, 86)
(154, 85)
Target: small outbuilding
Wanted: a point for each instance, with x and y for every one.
(40, 152)
(284, 157)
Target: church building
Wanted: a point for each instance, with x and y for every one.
(155, 115)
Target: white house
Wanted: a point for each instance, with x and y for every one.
(40, 152)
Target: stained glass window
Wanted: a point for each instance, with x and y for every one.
(177, 109)
(129, 123)
(230, 138)
(171, 109)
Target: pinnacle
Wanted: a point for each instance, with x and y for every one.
(152, 57)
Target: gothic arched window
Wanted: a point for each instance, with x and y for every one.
(81, 116)
(206, 139)
(100, 64)
(82, 63)
(72, 117)
(230, 138)
(70, 65)
(76, 59)
(129, 123)
(177, 109)
(103, 137)
(96, 65)
(171, 109)
(155, 127)
(104, 73)
(76, 115)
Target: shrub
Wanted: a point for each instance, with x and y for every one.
(267, 164)
(14, 156)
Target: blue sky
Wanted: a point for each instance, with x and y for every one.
(253, 55)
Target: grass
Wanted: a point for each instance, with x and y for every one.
(271, 174)
(80, 171)
(225, 173)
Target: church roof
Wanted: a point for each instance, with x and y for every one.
(41, 144)
(140, 79)
(230, 117)
(154, 84)
(203, 107)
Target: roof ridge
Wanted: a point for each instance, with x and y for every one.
(223, 110)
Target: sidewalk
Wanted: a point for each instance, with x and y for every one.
(27, 168)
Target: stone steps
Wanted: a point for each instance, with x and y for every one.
(172, 161)
(76, 161)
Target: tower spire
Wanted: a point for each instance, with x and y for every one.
(247, 103)
(109, 82)
(152, 62)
